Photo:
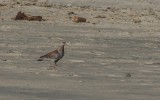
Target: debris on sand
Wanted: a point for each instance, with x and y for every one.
(35, 18)
(128, 75)
(78, 19)
(137, 20)
(100, 16)
(22, 16)
(4, 60)
(71, 13)
(3, 4)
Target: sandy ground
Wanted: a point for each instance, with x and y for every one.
(102, 54)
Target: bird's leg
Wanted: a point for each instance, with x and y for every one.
(55, 64)
(53, 67)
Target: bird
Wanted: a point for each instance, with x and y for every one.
(54, 55)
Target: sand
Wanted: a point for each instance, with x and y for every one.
(113, 56)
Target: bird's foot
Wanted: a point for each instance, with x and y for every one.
(52, 68)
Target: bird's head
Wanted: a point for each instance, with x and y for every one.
(64, 43)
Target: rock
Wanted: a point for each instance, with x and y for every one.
(137, 20)
(100, 16)
(128, 75)
(71, 13)
(20, 16)
(78, 19)
(23, 16)
(4, 60)
(35, 18)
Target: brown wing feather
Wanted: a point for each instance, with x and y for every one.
(53, 54)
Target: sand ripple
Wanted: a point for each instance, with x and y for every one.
(76, 60)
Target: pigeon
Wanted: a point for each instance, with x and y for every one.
(54, 55)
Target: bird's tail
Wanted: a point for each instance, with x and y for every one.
(41, 58)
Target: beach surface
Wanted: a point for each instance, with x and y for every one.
(114, 55)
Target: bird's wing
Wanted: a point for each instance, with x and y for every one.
(53, 54)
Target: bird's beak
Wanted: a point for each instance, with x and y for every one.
(68, 43)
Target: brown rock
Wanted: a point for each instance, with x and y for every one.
(23, 16)
(136, 20)
(78, 19)
(35, 18)
(20, 16)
